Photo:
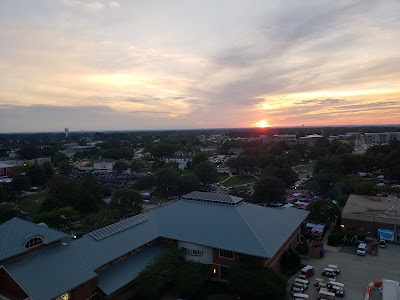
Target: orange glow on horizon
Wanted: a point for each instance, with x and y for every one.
(262, 124)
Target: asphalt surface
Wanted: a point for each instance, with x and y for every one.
(356, 271)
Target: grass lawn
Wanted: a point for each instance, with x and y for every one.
(31, 204)
(186, 172)
(238, 180)
(307, 168)
(222, 177)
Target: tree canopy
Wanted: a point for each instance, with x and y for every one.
(268, 189)
(126, 201)
(323, 212)
(206, 172)
(253, 281)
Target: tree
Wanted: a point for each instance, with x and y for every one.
(190, 183)
(268, 189)
(323, 212)
(253, 281)
(58, 217)
(136, 165)
(21, 183)
(126, 201)
(7, 212)
(90, 194)
(366, 188)
(65, 167)
(328, 165)
(48, 169)
(120, 166)
(28, 152)
(145, 182)
(58, 158)
(62, 192)
(191, 278)
(285, 174)
(162, 150)
(199, 157)
(206, 172)
(167, 182)
(37, 175)
(159, 274)
(290, 261)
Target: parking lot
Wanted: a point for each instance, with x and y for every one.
(357, 271)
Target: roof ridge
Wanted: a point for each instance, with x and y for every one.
(255, 235)
(9, 230)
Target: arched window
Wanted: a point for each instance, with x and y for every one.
(32, 242)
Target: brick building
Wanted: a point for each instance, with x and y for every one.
(213, 229)
(364, 215)
(8, 170)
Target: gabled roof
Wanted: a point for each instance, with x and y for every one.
(15, 232)
(48, 273)
(96, 253)
(121, 274)
(244, 228)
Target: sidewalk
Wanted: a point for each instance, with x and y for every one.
(328, 248)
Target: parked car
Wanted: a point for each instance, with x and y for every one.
(382, 243)
(362, 249)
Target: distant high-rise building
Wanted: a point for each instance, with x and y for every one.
(381, 137)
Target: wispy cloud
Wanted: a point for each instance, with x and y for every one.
(113, 4)
(87, 4)
(286, 62)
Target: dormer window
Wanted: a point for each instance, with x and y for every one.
(32, 242)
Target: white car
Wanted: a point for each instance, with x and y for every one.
(362, 249)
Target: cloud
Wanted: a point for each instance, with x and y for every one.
(113, 4)
(87, 4)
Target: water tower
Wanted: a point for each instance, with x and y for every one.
(66, 132)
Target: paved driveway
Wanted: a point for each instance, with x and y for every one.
(357, 271)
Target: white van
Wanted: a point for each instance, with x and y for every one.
(326, 295)
(300, 296)
(362, 249)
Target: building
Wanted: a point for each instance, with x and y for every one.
(365, 215)
(105, 164)
(285, 137)
(182, 162)
(378, 138)
(310, 139)
(213, 229)
(8, 170)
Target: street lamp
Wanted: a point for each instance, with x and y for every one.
(392, 209)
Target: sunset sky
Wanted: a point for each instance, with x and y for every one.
(133, 65)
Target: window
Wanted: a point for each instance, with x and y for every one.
(63, 297)
(225, 254)
(35, 241)
(224, 272)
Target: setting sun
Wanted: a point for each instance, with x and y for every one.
(262, 124)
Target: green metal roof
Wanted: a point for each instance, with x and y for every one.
(121, 274)
(50, 272)
(15, 232)
(99, 252)
(245, 228)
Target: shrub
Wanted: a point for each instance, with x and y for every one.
(302, 248)
(335, 238)
(253, 281)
